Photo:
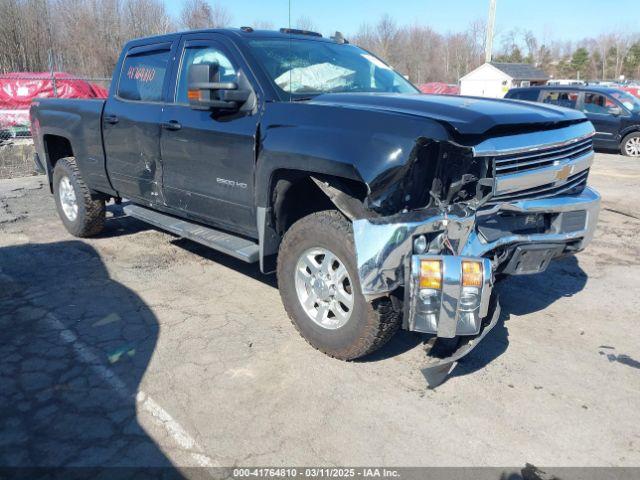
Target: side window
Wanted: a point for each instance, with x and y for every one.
(550, 97)
(596, 103)
(203, 55)
(143, 75)
(529, 95)
(565, 99)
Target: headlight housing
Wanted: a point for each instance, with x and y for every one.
(449, 295)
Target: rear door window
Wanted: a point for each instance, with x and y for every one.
(143, 75)
(567, 99)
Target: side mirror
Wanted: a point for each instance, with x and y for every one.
(206, 92)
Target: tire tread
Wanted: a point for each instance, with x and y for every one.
(383, 319)
(94, 209)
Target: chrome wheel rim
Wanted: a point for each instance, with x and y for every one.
(632, 147)
(324, 288)
(68, 199)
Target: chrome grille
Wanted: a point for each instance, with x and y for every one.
(543, 170)
(540, 158)
(572, 186)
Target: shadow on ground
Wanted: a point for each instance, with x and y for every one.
(74, 345)
(522, 295)
(519, 295)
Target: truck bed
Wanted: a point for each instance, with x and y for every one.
(79, 121)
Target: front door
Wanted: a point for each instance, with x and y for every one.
(131, 123)
(209, 156)
(604, 113)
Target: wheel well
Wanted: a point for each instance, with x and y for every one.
(295, 195)
(56, 147)
(635, 131)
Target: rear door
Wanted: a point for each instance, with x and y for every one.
(131, 122)
(209, 155)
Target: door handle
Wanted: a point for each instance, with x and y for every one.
(172, 125)
(112, 119)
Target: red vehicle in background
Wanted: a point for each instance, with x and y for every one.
(19, 88)
(440, 88)
(633, 90)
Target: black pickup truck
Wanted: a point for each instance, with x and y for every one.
(377, 206)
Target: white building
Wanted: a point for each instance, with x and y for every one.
(495, 79)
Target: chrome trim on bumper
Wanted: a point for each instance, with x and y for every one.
(384, 246)
(534, 141)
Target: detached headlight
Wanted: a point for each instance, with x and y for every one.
(448, 294)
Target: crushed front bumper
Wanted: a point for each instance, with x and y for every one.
(387, 260)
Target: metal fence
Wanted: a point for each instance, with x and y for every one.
(16, 92)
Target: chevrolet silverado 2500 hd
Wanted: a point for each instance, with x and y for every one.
(378, 207)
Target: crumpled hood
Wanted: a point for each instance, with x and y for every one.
(467, 115)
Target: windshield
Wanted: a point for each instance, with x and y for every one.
(629, 101)
(303, 68)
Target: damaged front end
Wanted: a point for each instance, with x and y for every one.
(507, 205)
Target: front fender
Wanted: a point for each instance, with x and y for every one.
(372, 147)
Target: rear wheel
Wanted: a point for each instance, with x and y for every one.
(631, 145)
(318, 282)
(82, 215)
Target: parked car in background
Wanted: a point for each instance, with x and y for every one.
(615, 114)
(565, 81)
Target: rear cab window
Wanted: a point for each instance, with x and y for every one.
(144, 72)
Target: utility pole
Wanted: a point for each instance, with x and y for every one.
(491, 22)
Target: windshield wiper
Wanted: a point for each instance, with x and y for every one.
(302, 99)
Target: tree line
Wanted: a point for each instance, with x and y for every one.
(84, 37)
(426, 55)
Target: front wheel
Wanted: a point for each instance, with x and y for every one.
(630, 145)
(318, 282)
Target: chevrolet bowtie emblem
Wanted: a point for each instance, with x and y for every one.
(564, 172)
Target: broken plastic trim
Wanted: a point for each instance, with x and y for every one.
(436, 369)
(350, 206)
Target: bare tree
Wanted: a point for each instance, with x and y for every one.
(147, 17)
(305, 23)
(85, 37)
(262, 25)
(221, 16)
(197, 14)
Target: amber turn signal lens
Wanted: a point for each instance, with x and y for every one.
(193, 94)
(471, 274)
(431, 274)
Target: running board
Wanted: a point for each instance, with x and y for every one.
(237, 247)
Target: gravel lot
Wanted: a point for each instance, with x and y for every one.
(137, 348)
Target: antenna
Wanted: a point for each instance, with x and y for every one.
(491, 22)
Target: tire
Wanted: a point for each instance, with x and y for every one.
(630, 145)
(369, 326)
(89, 213)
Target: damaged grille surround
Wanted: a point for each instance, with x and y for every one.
(548, 201)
